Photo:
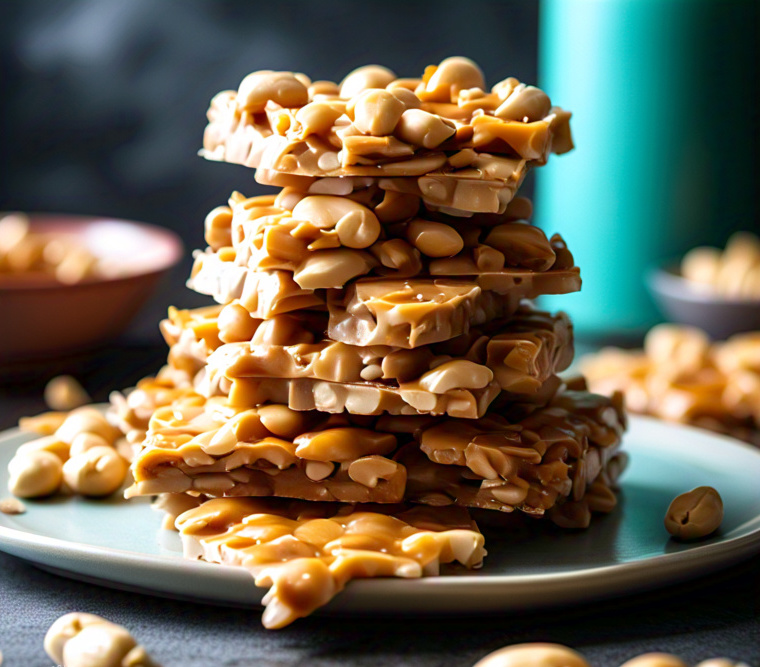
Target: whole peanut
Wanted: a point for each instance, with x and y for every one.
(695, 514)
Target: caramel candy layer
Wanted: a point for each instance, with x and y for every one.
(551, 456)
(527, 458)
(443, 485)
(459, 377)
(362, 398)
(262, 293)
(412, 313)
(379, 311)
(521, 352)
(306, 553)
(215, 450)
(490, 186)
(443, 124)
(326, 241)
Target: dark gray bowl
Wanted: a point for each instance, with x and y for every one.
(719, 316)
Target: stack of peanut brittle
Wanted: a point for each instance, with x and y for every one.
(374, 366)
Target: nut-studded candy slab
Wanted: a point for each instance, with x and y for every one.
(390, 236)
(459, 377)
(217, 450)
(552, 454)
(326, 241)
(383, 311)
(443, 125)
(306, 553)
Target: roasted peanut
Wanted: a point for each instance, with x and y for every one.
(282, 421)
(48, 443)
(343, 444)
(504, 88)
(398, 255)
(355, 224)
(397, 207)
(356, 231)
(733, 272)
(721, 662)
(456, 374)
(218, 227)
(316, 471)
(65, 393)
(45, 423)
(421, 128)
(522, 245)
(451, 76)
(86, 419)
(95, 472)
(65, 628)
(287, 198)
(463, 158)
(533, 655)
(488, 258)
(328, 88)
(319, 117)
(283, 88)
(236, 324)
(406, 365)
(525, 103)
(434, 239)
(701, 265)
(104, 645)
(406, 97)
(655, 660)
(326, 269)
(369, 470)
(281, 330)
(695, 514)
(84, 441)
(376, 112)
(34, 474)
(363, 78)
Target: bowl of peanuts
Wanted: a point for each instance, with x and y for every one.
(713, 289)
(69, 282)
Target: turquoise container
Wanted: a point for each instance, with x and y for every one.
(665, 122)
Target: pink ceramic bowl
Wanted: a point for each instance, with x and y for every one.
(40, 317)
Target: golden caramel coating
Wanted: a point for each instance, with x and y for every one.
(681, 376)
(306, 553)
(412, 313)
(386, 128)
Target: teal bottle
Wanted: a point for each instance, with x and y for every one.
(666, 126)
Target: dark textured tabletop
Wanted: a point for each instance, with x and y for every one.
(718, 615)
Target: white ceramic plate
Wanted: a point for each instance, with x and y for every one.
(120, 544)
